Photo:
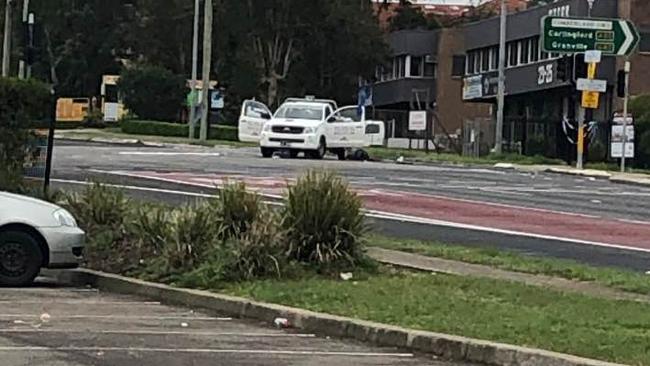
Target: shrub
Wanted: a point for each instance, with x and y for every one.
(21, 104)
(324, 221)
(98, 206)
(152, 92)
(103, 212)
(640, 108)
(597, 152)
(237, 208)
(258, 252)
(136, 127)
(193, 232)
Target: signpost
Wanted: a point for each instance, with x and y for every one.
(417, 120)
(573, 35)
(592, 85)
(622, 137)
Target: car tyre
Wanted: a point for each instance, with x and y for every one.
(20, 258)
(319, 153)
(266, 152)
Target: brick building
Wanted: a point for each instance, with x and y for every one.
(541, 96)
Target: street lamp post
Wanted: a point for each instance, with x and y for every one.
(498, 147)
(195, 66)
(6, 44)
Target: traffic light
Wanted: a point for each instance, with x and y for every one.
(579, 67)
(620, 84)
(564, 69)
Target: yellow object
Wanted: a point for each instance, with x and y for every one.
(581, 140)
(72, 109)
(590, 99)
(591, 71)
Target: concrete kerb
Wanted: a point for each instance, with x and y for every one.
(442, 345)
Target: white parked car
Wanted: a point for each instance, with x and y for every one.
(35, 234)
(308, 125)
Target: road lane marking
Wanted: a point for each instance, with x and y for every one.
(80, 302)
(138, 188)
(419, 220)
(205, 351)
(187, 317)
(154, 332)
(163, 153)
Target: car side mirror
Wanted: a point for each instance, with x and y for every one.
(331, 119)
(265, 115)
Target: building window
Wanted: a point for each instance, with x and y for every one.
(494, 58)
(471, 56)
(416, 66)
(430, 69)
(525, 51)
(513, 53)
(534, 49)
(485, 59)
(399, 67)
(543, 56)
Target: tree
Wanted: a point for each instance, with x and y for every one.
(153, 92)
(162, 33)
(408, 16)
(79, 41)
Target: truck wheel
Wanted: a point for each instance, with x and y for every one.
(266, 152)
(20, 258)
(319, 153)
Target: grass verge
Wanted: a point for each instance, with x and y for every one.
(617, 331)
(511, 261)
(116, 133)
(418, 155)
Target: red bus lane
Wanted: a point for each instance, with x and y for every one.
(511, 218)
(480, 215)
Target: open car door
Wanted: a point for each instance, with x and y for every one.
(252, 119)
(346, 128)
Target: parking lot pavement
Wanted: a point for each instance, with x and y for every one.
(53, 325)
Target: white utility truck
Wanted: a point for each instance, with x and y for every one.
(308, 125)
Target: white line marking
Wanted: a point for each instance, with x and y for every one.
(419, 220)
(79, 302)
(204, 350)
(637, 222)
(162, 153)
(136, 188)
(154, 332)
(175, 181)
(120, 317)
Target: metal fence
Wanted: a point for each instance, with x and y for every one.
(36, 157)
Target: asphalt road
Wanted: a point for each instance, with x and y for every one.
(51, 325)
(509, 202)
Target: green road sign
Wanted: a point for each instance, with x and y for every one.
(574, 35)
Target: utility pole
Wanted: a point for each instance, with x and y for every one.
(6, 46)
(625, 104)
(195, 66)
(22, 63)
(588, 112)
(207, 61)
(498, 148)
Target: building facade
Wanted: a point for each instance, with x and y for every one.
(542, 103)
(419, 76)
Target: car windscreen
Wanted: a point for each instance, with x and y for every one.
(300, 112)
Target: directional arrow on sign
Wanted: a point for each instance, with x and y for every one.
(575, 35)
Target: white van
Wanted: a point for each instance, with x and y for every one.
(308, 125)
